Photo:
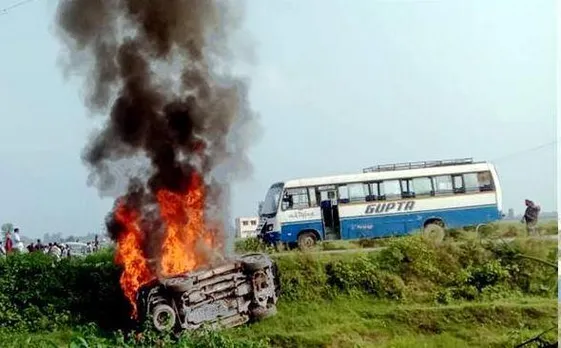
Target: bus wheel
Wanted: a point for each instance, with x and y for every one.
(433, 232)
(306, 240)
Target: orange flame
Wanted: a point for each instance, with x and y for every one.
(129, 255)
(185, 239)
(185, 228)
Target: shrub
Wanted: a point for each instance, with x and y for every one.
(251, 245)
(411, 258)
(37, 293)
(302, 276)
(363, 275)
(35, 286)
(336, 245)
(372, 242)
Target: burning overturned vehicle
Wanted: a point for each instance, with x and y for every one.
(240, 290)
(172, 144)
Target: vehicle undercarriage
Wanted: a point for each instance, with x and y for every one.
(234, 293)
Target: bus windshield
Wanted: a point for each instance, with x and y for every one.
(271, 203)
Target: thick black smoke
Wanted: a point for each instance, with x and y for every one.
(159, 71)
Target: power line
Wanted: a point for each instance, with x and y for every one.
(527, 150)
(5, 10)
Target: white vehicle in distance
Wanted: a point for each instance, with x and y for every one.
(77, 248)
(386, 200)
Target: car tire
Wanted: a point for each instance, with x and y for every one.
(306, 240)
(260, 313)
(255, 262)
(163, 318)
(433, 232)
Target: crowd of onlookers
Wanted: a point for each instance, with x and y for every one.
(13, 244)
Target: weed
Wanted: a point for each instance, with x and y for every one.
(40, 295)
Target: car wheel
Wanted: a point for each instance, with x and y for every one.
(163, 318)
(261, 313)
(255, 262)
(433, 232)
(306, 240)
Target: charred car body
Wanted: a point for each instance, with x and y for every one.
(241, 290)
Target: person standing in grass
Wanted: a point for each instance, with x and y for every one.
(531, 217)
(39, 246)
(18, 245)
(8, 244)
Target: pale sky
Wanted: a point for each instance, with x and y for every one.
(340, 85)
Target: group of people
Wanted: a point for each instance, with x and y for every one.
(55, 249)
(13, 244)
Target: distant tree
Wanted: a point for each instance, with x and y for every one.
(7, 227)
(69, 239)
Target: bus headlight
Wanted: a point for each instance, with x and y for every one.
(269, 228)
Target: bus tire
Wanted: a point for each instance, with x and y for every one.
(306, 240)
(433, 232)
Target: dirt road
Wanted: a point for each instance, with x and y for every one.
(367, 250)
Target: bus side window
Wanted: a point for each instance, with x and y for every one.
(295, 199)
(343, 194)
(471, 183)
(443, 184)
(459, 186)
(485, 181)
(407, 190)
(313, 196)
(392, 189)
(287, 202)
(374, 192)
(357, 192)
(423, 187)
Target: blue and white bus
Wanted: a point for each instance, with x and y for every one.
(383, 201)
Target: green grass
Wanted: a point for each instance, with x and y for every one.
(413, 293)
(363, 322)
(506, 229)
(501, 229)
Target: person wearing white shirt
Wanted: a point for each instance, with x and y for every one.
(18, 245)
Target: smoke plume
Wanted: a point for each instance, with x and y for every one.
(161, 74)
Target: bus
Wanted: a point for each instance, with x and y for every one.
(382, 201)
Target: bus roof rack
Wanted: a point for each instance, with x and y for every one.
(416, 165)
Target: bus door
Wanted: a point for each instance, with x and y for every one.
(330, 212)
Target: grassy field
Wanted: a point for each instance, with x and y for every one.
(414, 293)
(347, 322)
(359, 322)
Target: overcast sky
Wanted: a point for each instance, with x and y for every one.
(339, 85)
